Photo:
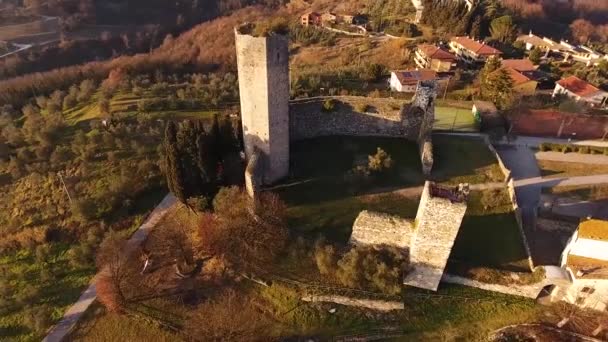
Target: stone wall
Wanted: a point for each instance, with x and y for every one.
(520, 222)
(382, 118)
(438, 221)
(253, 174)
(371, 228)
(263, 68)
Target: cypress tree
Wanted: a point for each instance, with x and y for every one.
(227, 136)
(174, 171)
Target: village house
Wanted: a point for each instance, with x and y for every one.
(579, 90)
(434, 58)
(524, 75)
(310, 19)
(472, 51)
(585, 258)
(578, 53)
(407, 81)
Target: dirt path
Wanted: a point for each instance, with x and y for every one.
(75, 312)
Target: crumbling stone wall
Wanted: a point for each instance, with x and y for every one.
(438, 221)
(382, 118)
(263, 68)
(372, 228)
(254, 174)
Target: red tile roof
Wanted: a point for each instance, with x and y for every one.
(434, 52)
(519, 64)
(517, 77)
(577, 86)
(411, 77)
(475, 46)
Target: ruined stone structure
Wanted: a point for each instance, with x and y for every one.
(428, 240)
(413, 122)
(270, 123)
(438, 221)
(377, 229)
(263, 68)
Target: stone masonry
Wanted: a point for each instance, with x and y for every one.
(269, 122)
(263, 69)
(378, 229)
(437, 223)
(428, 241)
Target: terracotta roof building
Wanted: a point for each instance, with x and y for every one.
(435, 58)
(472, 51)
(407, 80)
(580, 90)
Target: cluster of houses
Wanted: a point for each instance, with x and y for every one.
(434, 62)
(562, 49)
(329, 18)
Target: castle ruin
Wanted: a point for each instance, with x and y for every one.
(271, 121)
(263, 67)
(428, 239)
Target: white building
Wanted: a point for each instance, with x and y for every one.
(585, 258)
(579, 90)
(407, 81)
(472, 51)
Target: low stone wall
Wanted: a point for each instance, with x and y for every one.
(379, 305)
(528, 291)
(519, 219)
(505, 170)
(372, 228)
(382, 117)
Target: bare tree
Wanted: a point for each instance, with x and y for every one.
(247, 234)
(228, 317)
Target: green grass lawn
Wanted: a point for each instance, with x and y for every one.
(454, 119)
(323, 198)
(463, 160)
(489, 235)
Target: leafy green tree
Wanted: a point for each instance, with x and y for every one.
(535, 55)
(503, 29)
(498, 88)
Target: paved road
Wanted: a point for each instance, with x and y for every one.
(75, 312)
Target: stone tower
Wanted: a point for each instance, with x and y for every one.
(263, 69)
(438, 221)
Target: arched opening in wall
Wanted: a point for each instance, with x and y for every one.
(544, 296)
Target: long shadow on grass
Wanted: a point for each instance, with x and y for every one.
(321, 168)
(456, 156)
(492, 240)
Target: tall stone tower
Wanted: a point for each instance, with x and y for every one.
(438, 221)
(263, 68)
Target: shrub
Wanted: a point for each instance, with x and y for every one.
(329, 105)
(81, 256)
(379, 162)
(362, 107)
(84, 210)
(325, 257)
(566, 149)
(584, 150)
(43, 253)
(544, 147)
(380, 269)
(38, 319)
(199, 203)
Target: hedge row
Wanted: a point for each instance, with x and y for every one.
(566, 148)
